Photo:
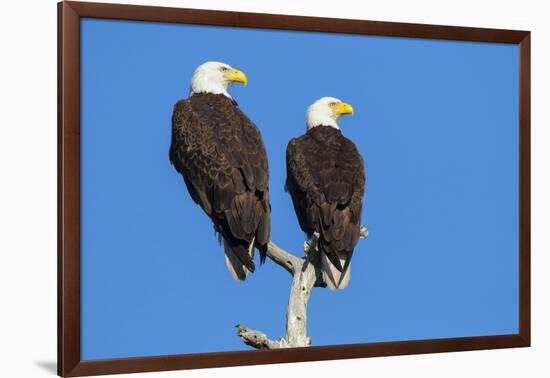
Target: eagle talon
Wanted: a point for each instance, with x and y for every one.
(311, 244)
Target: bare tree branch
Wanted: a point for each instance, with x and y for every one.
(283, 258)
(296, 317)
(306, 274)
(257, 339)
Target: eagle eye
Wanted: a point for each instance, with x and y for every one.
(224, 69)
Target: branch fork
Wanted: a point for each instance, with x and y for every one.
(306, 274)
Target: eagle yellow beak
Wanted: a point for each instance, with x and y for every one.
(237, 76)
(343, 108)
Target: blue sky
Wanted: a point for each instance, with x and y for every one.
(437, 124)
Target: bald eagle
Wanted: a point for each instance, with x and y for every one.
(221, 155)
(326, 180)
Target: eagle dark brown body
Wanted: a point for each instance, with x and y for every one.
(221, 156)
(326, 180)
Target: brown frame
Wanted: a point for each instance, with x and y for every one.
(69, 15)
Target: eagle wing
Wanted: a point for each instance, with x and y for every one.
(222, 158)
(240, 142)
(326, 180)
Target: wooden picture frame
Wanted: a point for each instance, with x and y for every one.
(69, 16)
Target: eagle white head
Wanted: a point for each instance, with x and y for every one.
(215, 77)
(327, 111)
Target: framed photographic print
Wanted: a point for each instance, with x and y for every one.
(222, 174)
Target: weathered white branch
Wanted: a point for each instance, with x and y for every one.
(306, 274)
(257, 339)
(283, 258)
(296, 317)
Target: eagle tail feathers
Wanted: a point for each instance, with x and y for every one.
(239, 270)
(334, 278)
(263, 253)
(251, 248)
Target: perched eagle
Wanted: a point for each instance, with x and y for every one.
(326, 180)
(221, 155)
